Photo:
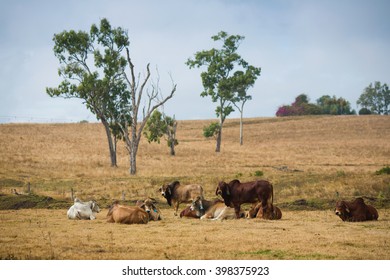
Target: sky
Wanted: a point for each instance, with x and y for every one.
(334, 47)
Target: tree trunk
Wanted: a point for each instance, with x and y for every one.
(241, 129)
(133, 160)
(219, 138)
(134, 145)
(172, 146)
(110, 143)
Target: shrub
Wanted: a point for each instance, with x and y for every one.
(211, 130)
(258, 173)
(364, 111)
(384, 170)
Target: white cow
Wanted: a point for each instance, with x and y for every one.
(83, 210)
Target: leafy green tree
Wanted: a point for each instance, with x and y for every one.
(334, 106)
(227, 74)
(376, 98)
(160, 125)
(91, 66)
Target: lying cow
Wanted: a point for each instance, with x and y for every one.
(213, 210)
(272, 213)
(149, 205)
(355, 211)
(176, 193)
(188, 213)
(123, 214)
(83, 210)
(236, 193)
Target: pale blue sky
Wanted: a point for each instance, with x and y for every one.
(313, 47)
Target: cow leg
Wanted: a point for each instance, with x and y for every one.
(176, 208)
(237, 210)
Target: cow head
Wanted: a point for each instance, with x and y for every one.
(195, 203)
(94, 207)
(197, 206)
(342, 210)
(223, 190)
(167, 191)
(149, 205)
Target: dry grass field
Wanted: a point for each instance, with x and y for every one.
(312, 159)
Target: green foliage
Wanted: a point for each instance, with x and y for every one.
(92, 66)
(159, 125)
(376, 98)
(212, 130)
(364, 111)
(258, 173)
(384, 170)
(228, 76)
(155, 127)
(334, 106)
(325, 105)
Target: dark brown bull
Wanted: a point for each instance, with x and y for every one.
(236, 193)
(273, 213)
(355, 211)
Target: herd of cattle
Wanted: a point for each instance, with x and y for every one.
(259, 193)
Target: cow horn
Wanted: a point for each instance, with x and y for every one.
(227, 190)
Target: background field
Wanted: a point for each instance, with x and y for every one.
(311, 161)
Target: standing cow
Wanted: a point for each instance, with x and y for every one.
(236, 193)
(176, 193)
(355, 211)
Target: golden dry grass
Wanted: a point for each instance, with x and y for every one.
(48, 234)
(336, 154)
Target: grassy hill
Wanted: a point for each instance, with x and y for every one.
(317, 159)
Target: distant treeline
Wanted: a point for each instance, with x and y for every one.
(325, 105)
(375, 99)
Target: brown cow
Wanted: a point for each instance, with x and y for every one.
(236, 193)
(176, 193)
(188, 213)
(355, 211)
(149, 205)
(127, 214)
(214, 210)
(272, 213)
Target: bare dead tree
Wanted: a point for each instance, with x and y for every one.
(132, 138)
